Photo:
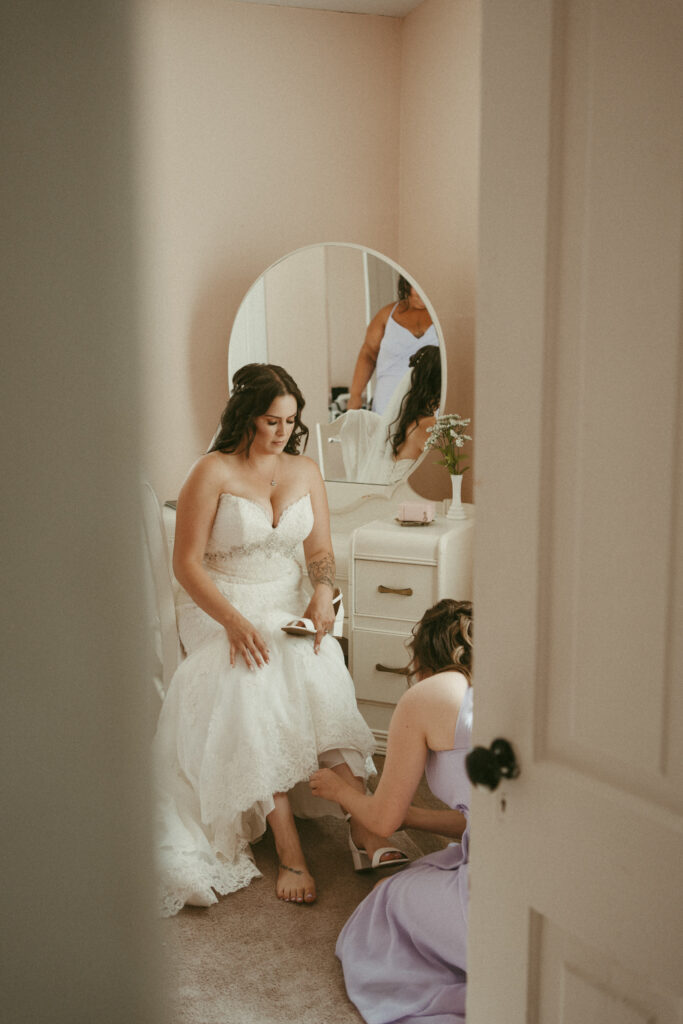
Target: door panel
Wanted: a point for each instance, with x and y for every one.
(576, 875)
(612, 395)
(578, 984)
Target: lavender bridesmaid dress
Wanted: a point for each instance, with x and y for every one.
(404, 948)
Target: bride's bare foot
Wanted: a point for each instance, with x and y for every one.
(295, 884)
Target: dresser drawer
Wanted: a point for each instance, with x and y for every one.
(386, 650)
(393, 590)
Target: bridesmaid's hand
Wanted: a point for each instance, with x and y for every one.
(321, 613)
(246, 640)
(326, 784)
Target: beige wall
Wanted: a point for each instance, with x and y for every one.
(439, 167)
(262, 129)
(346, 316)
(292, 286)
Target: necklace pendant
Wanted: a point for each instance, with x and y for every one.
(272, 483)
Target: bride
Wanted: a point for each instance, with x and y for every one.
(383, 449)
(252, 712)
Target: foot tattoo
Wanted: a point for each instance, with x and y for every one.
(301, 891)
(294, 871)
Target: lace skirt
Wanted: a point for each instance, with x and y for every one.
(228, 738)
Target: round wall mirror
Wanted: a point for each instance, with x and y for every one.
(312, 312)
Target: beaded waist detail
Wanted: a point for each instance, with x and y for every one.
(254, 563)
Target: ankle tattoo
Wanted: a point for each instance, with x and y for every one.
(295, 871)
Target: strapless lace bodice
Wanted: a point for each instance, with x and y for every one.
(245, 544)
(257, 564)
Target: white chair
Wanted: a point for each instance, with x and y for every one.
(160, 597)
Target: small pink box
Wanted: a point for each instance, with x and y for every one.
(416, 512)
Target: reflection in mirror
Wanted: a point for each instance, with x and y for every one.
(319, 312)
(383, 448)
(394, 334)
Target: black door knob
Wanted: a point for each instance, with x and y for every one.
(487, 767)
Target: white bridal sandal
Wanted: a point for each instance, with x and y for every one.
(305, 627)
(362, 862)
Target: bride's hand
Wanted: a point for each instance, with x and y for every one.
(321, 613)
(246, 640)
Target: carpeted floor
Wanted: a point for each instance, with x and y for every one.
(252, 959)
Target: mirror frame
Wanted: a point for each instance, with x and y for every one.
(364, 487)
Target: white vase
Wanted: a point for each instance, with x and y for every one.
(456, 509)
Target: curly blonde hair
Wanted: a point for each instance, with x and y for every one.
(442, 639)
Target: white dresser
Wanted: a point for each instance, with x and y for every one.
(396, 573)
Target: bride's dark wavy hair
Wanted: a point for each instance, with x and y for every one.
(422, 397)
(254, 388)
(442, 639)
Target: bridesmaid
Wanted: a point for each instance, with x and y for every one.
(403, 950)
(393, 336)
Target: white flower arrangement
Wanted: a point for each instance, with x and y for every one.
(448, 437)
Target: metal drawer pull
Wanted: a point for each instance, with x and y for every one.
(405, 592)
(396, 671)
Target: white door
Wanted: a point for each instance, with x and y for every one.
(577, 866)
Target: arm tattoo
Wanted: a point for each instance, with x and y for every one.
(322, 571)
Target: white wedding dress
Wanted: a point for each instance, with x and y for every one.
(228, 738)
(365, 438)
(366, 449)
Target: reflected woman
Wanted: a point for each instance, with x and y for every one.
(393, 336)
(251, 712)
(382, 449)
